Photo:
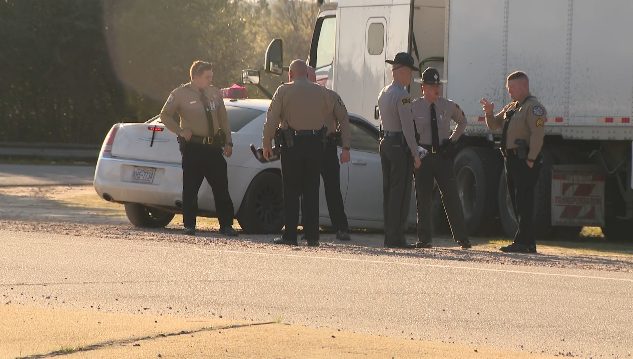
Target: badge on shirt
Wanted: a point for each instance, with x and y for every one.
(192, 102)
(406, 101)
(212, 105)
(538, 111)
(170, 99)
(340, 102)
(539, 122)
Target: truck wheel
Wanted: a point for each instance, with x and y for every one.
(542, 224)
(263, 207)
(618, 230)
(440, 221)
(477, 170)
(147, 217)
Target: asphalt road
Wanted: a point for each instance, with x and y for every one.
(573, 312)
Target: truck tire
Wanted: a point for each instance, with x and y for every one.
(618, 230)
(542, 224)
(477, 172)
(262, 209)
(147, 217)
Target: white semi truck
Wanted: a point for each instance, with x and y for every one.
(578, 55)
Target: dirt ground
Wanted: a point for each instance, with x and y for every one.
(77, 210)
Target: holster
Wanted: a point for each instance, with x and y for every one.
(448, 149)
(181, 144)
(523, 149)
(334, 139)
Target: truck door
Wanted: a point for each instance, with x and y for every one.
(374, 64)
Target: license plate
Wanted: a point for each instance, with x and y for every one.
(143, 174)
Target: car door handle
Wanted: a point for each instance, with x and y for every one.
(359, 163)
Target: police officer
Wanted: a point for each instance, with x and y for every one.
(523, 128)
(433, 115)
(299, 106)
(203, 130)
(398, 149)
(337, 123)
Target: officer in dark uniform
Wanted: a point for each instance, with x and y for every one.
(433, 115)
(338, 132)
(299, 106)
(398, 150)
(523, 129)
(203, 131)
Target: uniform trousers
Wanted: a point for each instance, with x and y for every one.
(300, 172)
(331, 173)
(397, 173)
(199, 162)
(521, 180)
(436, 168)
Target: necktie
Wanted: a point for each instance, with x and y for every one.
(504, 133)
(207, 111)
(435, 138)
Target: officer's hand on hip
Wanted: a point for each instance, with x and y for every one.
(186, 133)
(530, 163)
(344, 155)
(267, 152)
(488, 107)
(228, 150)
(416, 162)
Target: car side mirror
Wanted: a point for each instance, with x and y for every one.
(250, 77)
(274, 59)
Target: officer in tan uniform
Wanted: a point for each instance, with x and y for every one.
(433, 115)
(338, 133)
(523, 129)
(299, 107)
(398, 150)
(203, 132)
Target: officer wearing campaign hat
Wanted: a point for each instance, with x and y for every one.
(432, 116)
(398, 149)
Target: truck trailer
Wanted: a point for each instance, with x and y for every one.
(578, 55)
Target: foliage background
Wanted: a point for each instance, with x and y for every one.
(70, 69)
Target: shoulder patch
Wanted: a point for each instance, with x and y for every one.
(538, 111)
(170, 99)
(406, 100)
(539, 122)
(340, 102)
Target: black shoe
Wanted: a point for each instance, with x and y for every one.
(342, 236)
(465, 244)
(423, 245)
(285, 241)
(190, 231)
(516, 248)
(228, 231)
(313, 243)
(400, 245)
(532, 248)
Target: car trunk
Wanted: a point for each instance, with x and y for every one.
(146, 142)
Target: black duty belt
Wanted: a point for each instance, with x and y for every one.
(392, 134)
(509, 152)
(202, 140)
(430, 148)
(302, 133)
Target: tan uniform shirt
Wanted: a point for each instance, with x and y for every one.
(527, 123)
(339, 116)
(187, 102)
(396, 113)
(299, 104)
(445, 111)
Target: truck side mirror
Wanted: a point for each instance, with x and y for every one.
(274, 59)
(250, 77)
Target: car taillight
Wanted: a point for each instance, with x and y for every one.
(107, 144)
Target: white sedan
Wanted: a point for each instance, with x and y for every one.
(140, 166)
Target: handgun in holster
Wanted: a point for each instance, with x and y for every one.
(181, 144)
(287, 137)
(523, 149)
(334, 138)
(447, 148)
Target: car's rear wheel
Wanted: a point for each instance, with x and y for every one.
(147, 217)
(262, 209)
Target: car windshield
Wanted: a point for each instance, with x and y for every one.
(238, 117)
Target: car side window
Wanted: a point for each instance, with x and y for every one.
(240, 116)
(363, 139)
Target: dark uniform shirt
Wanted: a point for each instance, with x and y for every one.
(396, 114)
(527, 123)
(445, 111)
(300, 104)
(186, 100)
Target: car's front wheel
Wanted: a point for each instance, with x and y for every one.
(263, 206)
(143, 216)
